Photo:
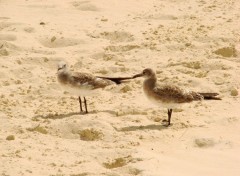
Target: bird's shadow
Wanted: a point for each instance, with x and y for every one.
(147, 127)
(124, 129)
(66, 115)
(56, 116)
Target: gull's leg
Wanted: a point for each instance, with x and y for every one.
(169, 116)
(85, 103)
(80, 102)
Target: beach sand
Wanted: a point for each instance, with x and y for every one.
(192, 44)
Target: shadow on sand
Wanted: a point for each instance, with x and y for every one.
(62, 116)
(148, 127)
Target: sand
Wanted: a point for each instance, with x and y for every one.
(192, 44)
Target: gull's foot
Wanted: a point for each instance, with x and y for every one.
(83, 112)
(166, 123)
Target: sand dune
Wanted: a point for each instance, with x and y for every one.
(192, 44)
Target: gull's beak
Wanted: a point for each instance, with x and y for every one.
(59, 68)
(137, 75)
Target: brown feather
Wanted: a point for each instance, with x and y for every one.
(174, 94)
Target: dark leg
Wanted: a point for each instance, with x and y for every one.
(80, 102)
(169, 116)
(85, 103)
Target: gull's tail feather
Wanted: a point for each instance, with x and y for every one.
(118, 80)
(210, 96)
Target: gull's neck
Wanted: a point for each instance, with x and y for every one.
(63, 75)
(150, 83)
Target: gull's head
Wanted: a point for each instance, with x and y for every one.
(146, 73)
(62, 66)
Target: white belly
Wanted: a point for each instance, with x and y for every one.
(79, 91)
(159, 103)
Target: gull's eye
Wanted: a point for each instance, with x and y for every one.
(144, 72)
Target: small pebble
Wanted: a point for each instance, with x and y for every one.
(234, 92)
(10, 137)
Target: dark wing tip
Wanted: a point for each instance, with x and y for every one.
(210, 96)
(116, 80)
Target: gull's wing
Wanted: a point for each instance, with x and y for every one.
(88, 80)
(174, 94)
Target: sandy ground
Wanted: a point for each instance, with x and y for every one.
(191, 43)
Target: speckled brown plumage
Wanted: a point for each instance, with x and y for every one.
(76, 79)
(174, 94)
(83, 84)
(85, 79)
(169, 95)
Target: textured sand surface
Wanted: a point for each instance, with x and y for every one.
(194, 44)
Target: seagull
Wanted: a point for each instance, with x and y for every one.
(83, 84)
(169, 96)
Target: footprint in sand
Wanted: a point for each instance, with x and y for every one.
(59, 42)
(204, 142)
(84, 6)
(21, 73)
(8, 37)
(7, 48)
(29, 29)
(4, 25)
(121, 48)
(46, 62)
(8, 26)
(162, 17)
(117, 36)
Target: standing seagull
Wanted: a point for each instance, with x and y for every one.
(83, 84)
(167, 95)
